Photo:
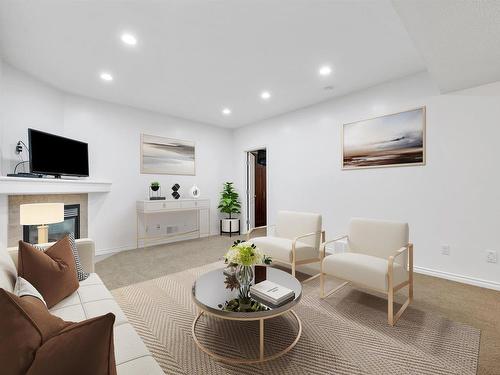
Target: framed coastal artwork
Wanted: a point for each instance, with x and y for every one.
(160, 155)
(387, 141)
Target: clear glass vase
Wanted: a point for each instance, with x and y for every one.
(244, 275)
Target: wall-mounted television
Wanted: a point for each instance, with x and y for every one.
(51, 154)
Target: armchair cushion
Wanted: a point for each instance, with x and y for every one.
(281, 248)
(364, 270)
(290, 224)
(379, 238)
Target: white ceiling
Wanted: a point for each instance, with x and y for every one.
(459, 40)
(195, 57)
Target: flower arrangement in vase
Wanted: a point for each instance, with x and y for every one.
(243, 256)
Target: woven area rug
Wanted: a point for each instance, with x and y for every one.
(344, 334)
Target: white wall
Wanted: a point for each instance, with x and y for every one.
(454, 199)
(113, 133)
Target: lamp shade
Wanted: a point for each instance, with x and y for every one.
(41, 213)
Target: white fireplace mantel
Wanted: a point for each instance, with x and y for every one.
(25, 186)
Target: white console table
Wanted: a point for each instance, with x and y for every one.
(171, 207)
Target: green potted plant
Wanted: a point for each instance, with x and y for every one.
(229, 204)
(155, 185)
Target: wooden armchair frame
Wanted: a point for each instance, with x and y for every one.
(294, 262)
(391, 317)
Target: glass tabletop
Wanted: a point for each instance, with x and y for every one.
(212, 293)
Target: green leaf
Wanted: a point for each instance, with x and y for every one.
(229, 200)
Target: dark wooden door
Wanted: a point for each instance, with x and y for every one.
(260, 195)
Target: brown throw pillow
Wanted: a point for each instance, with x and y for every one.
(52, 272)
(25, 324)
(80, 349)
(32, 341)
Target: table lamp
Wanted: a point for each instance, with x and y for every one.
(41, 214)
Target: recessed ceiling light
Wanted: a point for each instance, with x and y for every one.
(226, 111)
(265, 95)
(129, 39)
(106, 76)
(325, 70)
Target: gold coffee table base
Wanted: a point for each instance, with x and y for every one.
(261, 358)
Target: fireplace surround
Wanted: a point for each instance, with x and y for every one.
(71, 224)
(75, 215)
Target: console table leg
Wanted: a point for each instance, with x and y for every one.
(261, 336)
(137, 228)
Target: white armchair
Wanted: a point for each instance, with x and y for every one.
(296, 241)
(379, 258)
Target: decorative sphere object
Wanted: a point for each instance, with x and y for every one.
(195, 191)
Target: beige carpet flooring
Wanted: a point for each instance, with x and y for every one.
(471, 305)
(130, 267)
(345, 334)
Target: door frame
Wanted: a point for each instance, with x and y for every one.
(247, 203)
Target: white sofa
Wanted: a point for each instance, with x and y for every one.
(90, 300)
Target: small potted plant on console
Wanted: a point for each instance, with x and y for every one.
(155, 192)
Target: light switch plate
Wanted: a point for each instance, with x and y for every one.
(445, 249)
(491, 256)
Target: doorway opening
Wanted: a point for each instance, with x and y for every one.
(256, 188)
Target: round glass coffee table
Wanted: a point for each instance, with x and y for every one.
(213, 298)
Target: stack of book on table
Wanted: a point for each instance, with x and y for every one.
(272, 293)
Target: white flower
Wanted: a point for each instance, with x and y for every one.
(245, 254)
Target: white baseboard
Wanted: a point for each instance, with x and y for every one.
(458, 278)
(113, 250)
(118, 249)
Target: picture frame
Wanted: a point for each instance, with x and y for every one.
(169, 156)
(392, 140)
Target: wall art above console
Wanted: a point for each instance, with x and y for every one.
(160, 155)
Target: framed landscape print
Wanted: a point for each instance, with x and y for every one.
(387, 141)
(161, 155)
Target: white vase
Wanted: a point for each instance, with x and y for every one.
(195, 192)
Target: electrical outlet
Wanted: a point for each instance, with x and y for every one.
(491, 256)
(171, 229)
(445, 249)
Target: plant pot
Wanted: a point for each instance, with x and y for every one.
(230, 225)
(155, 188)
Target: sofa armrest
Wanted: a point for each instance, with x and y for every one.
(85, 247)
(86, 251)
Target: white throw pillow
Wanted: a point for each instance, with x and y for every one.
(24, 288)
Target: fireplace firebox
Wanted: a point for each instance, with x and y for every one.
(71, 224)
